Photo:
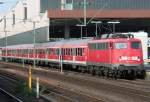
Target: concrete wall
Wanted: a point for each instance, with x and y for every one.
(22, 28)
(26, 37)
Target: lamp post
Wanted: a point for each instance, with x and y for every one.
(5, 37)
(114, 22)
(96, 23)
(84, 12)
(81, 26)
(34, 43)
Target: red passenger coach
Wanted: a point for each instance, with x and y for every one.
(115, 56)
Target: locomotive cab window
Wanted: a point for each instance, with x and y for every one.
(135, 45)
(121, 45)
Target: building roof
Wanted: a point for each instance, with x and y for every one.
(115, 13)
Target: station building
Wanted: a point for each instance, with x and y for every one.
(51, 19)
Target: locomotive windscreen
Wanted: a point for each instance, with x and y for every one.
(121, 45)
(135, 45)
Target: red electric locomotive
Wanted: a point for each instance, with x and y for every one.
(115, 56)
(119, 56)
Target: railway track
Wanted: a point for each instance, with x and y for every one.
(60, 94)
(9, 97)
(102, 89)
(13, 80)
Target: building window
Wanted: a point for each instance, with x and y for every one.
(25, 13)
(66, 4)
(69, 1)
(13, 23)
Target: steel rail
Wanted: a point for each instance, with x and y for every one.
(10, 95)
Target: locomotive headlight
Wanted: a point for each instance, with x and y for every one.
(138, 58)
(135, 58)
(123, 58)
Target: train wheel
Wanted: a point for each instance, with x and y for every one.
(125, 74)
(108, 73)
(132, 75)
(142, 74)
(118, 74)
(99, 73)
(114, 75)
(83, 70)
(88, 70)
(93, 72)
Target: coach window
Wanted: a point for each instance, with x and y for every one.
(68, 51)
(71, 52)
(29, 51)
(11, 52)
(25, 51)
(62, 51)
(41, 51)
(51, 51)
(83, 51)
(44, 51)
(38, 51)
(7, 51)
(57, 51)
(48, 51)
(21, 51)
(80, 51)
(76, 51)
(3, 52)
(54, 51)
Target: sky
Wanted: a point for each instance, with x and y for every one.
(6, 6)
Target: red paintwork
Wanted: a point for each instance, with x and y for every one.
(110, 55)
